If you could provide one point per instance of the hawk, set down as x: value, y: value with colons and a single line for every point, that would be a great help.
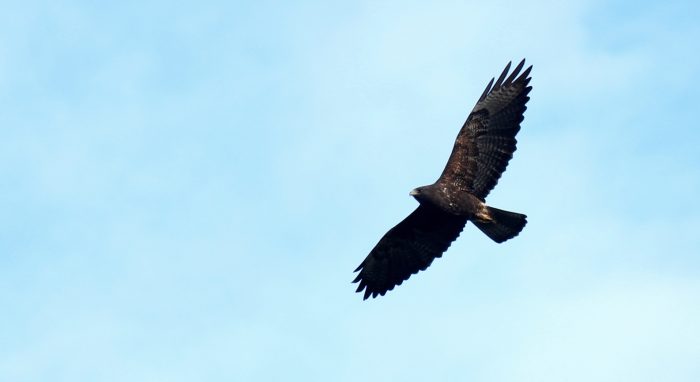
x: 480, y: 154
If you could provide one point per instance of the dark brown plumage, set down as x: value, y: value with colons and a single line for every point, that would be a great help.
x: 480, y: 154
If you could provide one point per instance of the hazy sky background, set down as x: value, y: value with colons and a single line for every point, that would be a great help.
x: 186, y: 189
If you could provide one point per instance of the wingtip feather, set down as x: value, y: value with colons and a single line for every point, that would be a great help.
x: 514, y: 74
x: 499, y: 82
x: 525, y: 76
x: 486, y: 91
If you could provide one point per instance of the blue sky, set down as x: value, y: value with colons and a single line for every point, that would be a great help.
x: 186, y: 189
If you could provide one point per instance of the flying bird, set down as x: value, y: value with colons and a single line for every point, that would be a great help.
x: 480, y: 154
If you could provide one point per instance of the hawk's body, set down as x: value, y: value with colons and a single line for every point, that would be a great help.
x: 481, y: 153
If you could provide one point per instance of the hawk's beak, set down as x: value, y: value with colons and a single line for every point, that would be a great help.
x: 413, y: 192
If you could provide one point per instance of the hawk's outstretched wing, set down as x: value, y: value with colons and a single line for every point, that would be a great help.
x: 407, y: 248
x: 486, y: 142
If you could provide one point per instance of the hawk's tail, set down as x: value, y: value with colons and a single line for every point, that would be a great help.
x: 503, y: 225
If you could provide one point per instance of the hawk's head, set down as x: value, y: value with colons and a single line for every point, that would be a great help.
x: 423, y: 193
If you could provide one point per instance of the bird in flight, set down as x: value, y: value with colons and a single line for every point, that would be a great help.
x: 480, y: 154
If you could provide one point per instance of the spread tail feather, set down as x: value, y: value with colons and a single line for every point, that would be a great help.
x: 503, y: 225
